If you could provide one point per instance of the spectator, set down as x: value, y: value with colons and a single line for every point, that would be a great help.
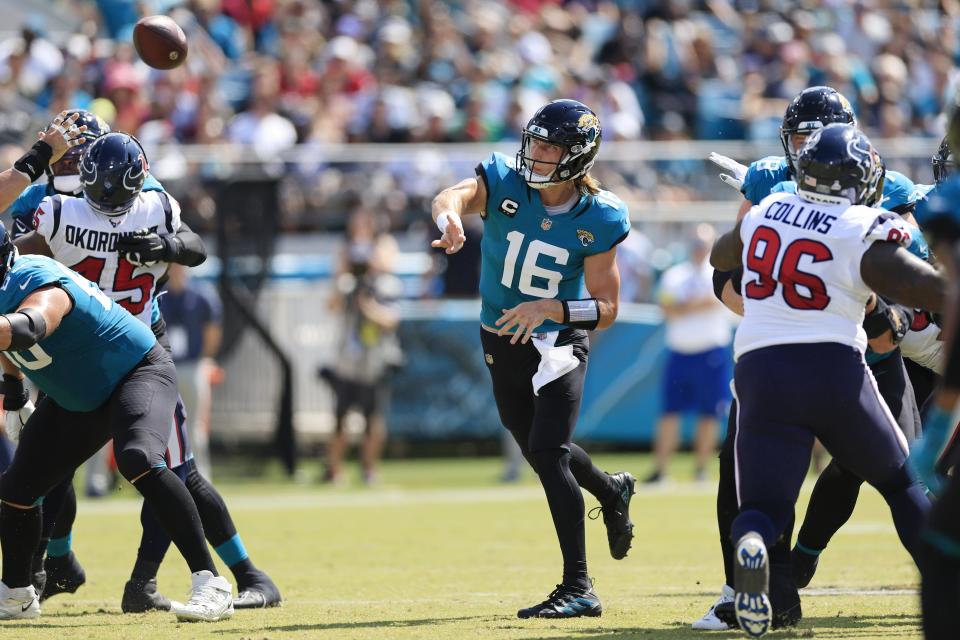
x: 697, y: 371
x: 193, y: 315
x: 365, y: 289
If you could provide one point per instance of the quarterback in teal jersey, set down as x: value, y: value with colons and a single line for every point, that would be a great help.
x: 548, y: 275
x: 105, y: 377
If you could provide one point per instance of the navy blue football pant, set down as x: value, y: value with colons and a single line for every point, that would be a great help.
x: 790, y: 394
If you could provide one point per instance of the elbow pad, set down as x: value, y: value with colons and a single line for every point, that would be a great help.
x: 27, y: 328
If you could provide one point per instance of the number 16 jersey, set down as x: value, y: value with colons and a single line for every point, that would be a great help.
x: 86, y: 241
x: 801, y: 281
x: 529, y: 254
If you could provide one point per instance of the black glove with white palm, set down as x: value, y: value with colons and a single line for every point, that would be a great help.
x: 16, y: 404
x: 737, y: 170
x: 145, y: 248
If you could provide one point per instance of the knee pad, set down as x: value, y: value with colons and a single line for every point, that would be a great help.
x: 133, y: 462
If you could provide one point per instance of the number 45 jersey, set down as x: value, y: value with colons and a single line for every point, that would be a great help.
x: 530, y: 255
x: 86, y: 241
x: 801, y: 280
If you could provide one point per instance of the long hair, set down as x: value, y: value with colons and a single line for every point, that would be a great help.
x: 587, y: 185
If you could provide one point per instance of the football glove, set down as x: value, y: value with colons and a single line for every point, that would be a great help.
x: 737, y: 170
x: 17, y: 405
x: 144, y: 248
x: 926, y: 451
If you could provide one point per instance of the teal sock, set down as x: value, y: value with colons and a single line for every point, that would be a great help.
x: 59, y: 547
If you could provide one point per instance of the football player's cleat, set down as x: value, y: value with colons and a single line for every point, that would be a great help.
x: 211, y: 599
x: 752, y: 585
x: 21, y: 603
x: 710, y: 621
x: 565, y: 602
x: 804, y: 566
x: 64, y: 575
x: 616, y: 515
x: 141, y: 595
x: 257, y: 592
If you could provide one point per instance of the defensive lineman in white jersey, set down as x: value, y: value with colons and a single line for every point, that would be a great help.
x: 810, y: 263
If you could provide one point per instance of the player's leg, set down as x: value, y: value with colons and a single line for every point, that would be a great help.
x: 864, y: 437
x: 36, y: 469
x: 374, y: 401
x: 772, y: 455
x: 139, y: 411
x: 61, y: 570
x: 940, y: 565
x: 255, y: 588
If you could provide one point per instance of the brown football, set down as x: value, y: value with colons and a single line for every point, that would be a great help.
x: 160, y: 42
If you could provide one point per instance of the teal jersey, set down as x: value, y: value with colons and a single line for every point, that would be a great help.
x: 529, y: 255
x: 899, y: 191
x: 762, y: 176
x: 942, y: 203
x: 96, y: 345
x: 26, y: 204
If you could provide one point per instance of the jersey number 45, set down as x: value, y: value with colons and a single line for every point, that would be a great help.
x: 801, y: 290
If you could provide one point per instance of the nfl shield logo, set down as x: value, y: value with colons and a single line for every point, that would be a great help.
x: 546, y: 223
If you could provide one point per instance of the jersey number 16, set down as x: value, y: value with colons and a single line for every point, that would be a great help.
x: 762, y: 254
x: 530, y: 270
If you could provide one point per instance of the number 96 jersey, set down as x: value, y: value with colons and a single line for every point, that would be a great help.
x: 529, y: 254
x: 86, y: 241
x: 801, y: 280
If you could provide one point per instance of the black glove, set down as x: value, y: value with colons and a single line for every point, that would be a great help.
x: 14, y: 395
x: 145, y: 247
x: 885, y: 316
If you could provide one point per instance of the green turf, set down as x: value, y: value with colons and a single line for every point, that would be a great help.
x: 440, y: 551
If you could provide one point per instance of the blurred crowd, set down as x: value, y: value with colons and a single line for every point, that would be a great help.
x: 275, y: 73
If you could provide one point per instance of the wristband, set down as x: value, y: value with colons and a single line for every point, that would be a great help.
x: 35, y: 161
x: 581, y: 314
x: 444, y: 219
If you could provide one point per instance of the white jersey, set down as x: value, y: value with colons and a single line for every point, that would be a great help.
x: 801, y: 280
x: 85, y: 240
x: 923, y: 343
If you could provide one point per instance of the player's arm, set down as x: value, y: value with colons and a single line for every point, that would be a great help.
x: 450, y: 205
x: 886, y: 324
x: 33, y: 244
x: 728, y: 249
x: 602, y: 279
x: 726, y: 287
x: 892, y: 272
x: 144, y: 246
x: 37, y: 317
x: 50, y: 147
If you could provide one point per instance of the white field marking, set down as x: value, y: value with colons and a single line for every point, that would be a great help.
x: 842, y: 591
x: 388, y: 497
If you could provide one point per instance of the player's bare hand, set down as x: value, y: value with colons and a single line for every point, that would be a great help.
x: 527, y: 316
x: 62, y: 134
x: 453, y: 236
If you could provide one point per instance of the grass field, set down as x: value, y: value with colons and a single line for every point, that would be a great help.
x: 441, y: 551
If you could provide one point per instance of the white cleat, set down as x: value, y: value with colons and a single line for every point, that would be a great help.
x: 21, y: 603
x: 752, y: 584
x: 710, y: 621
x: 211, y: 599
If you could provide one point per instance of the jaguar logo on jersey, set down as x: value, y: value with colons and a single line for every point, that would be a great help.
x: 509, y: 207
x: 586, y: 238
x: 488, y: 358
x: 546, y: 223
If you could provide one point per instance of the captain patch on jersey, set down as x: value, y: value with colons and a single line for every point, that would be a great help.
x: 86, y: 240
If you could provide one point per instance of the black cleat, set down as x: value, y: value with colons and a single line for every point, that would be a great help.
x: 616, y: 516
x: 566, y: 602
x: 64, y: 575
x: 257, y: 591
x: 141, y: 595
x: 781, y: 619
x: 804, y: 566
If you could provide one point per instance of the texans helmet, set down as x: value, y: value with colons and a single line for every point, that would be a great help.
x: 112, y: 171
x: 64, y: 174
x: 838, y: 165
x: 569, y: 124
x: 812, y: 109
x: 942, y: 162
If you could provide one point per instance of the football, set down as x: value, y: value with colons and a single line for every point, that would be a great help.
x: 160, y: 42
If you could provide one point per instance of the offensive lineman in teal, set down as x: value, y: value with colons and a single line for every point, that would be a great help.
x: 548, y: 275
x: 104, y: 376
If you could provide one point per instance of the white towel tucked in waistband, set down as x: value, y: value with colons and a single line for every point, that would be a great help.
x: 555, y: 362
